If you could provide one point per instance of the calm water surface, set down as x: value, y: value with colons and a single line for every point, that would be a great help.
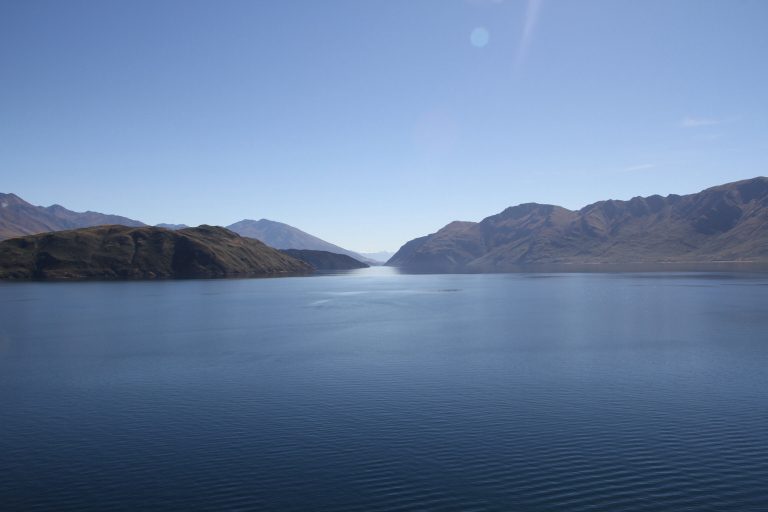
x: 375, y: 391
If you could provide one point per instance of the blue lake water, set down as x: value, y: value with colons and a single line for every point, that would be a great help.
x: 377, y: 391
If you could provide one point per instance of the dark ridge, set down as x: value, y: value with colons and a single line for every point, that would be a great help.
x: 324, y: 260
x: 122, y: 252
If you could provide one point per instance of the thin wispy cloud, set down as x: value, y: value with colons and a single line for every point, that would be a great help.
x: 639, y: 167
x: 698, y: 122
x: 529, y: 28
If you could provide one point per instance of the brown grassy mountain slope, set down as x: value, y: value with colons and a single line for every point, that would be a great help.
x: 724, y: 223
x: 121, y: 252
x: 18, y: 218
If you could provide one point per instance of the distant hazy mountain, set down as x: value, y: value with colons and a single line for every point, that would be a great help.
x: 283, y: 236
x: 18, y: 217
x: 324, y: 260
x: 121, y: 252
x: 380, y: 257
x: 173, y: 227
x: 723, y: 223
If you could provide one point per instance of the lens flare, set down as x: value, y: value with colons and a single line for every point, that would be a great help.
x: 479, y: 37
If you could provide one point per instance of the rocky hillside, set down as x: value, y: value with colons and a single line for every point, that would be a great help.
x: 121, y: 252
x: 723, y: 223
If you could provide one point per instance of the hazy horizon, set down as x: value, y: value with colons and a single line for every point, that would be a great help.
x: 367, y: 253
x: 370, y: 124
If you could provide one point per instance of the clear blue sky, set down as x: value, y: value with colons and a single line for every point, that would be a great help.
x: 369, y: 123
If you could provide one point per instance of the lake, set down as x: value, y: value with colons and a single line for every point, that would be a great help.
x: 378, y: 391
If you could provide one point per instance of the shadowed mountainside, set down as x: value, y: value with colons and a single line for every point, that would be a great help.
x: 724, y: 223
x: 18, y: 218
x: 121, y: 252
x: 283, y: 236
x: 324, y: 260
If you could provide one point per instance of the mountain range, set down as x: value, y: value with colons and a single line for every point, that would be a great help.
x: 18, y: 218
x: 723, y: 223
